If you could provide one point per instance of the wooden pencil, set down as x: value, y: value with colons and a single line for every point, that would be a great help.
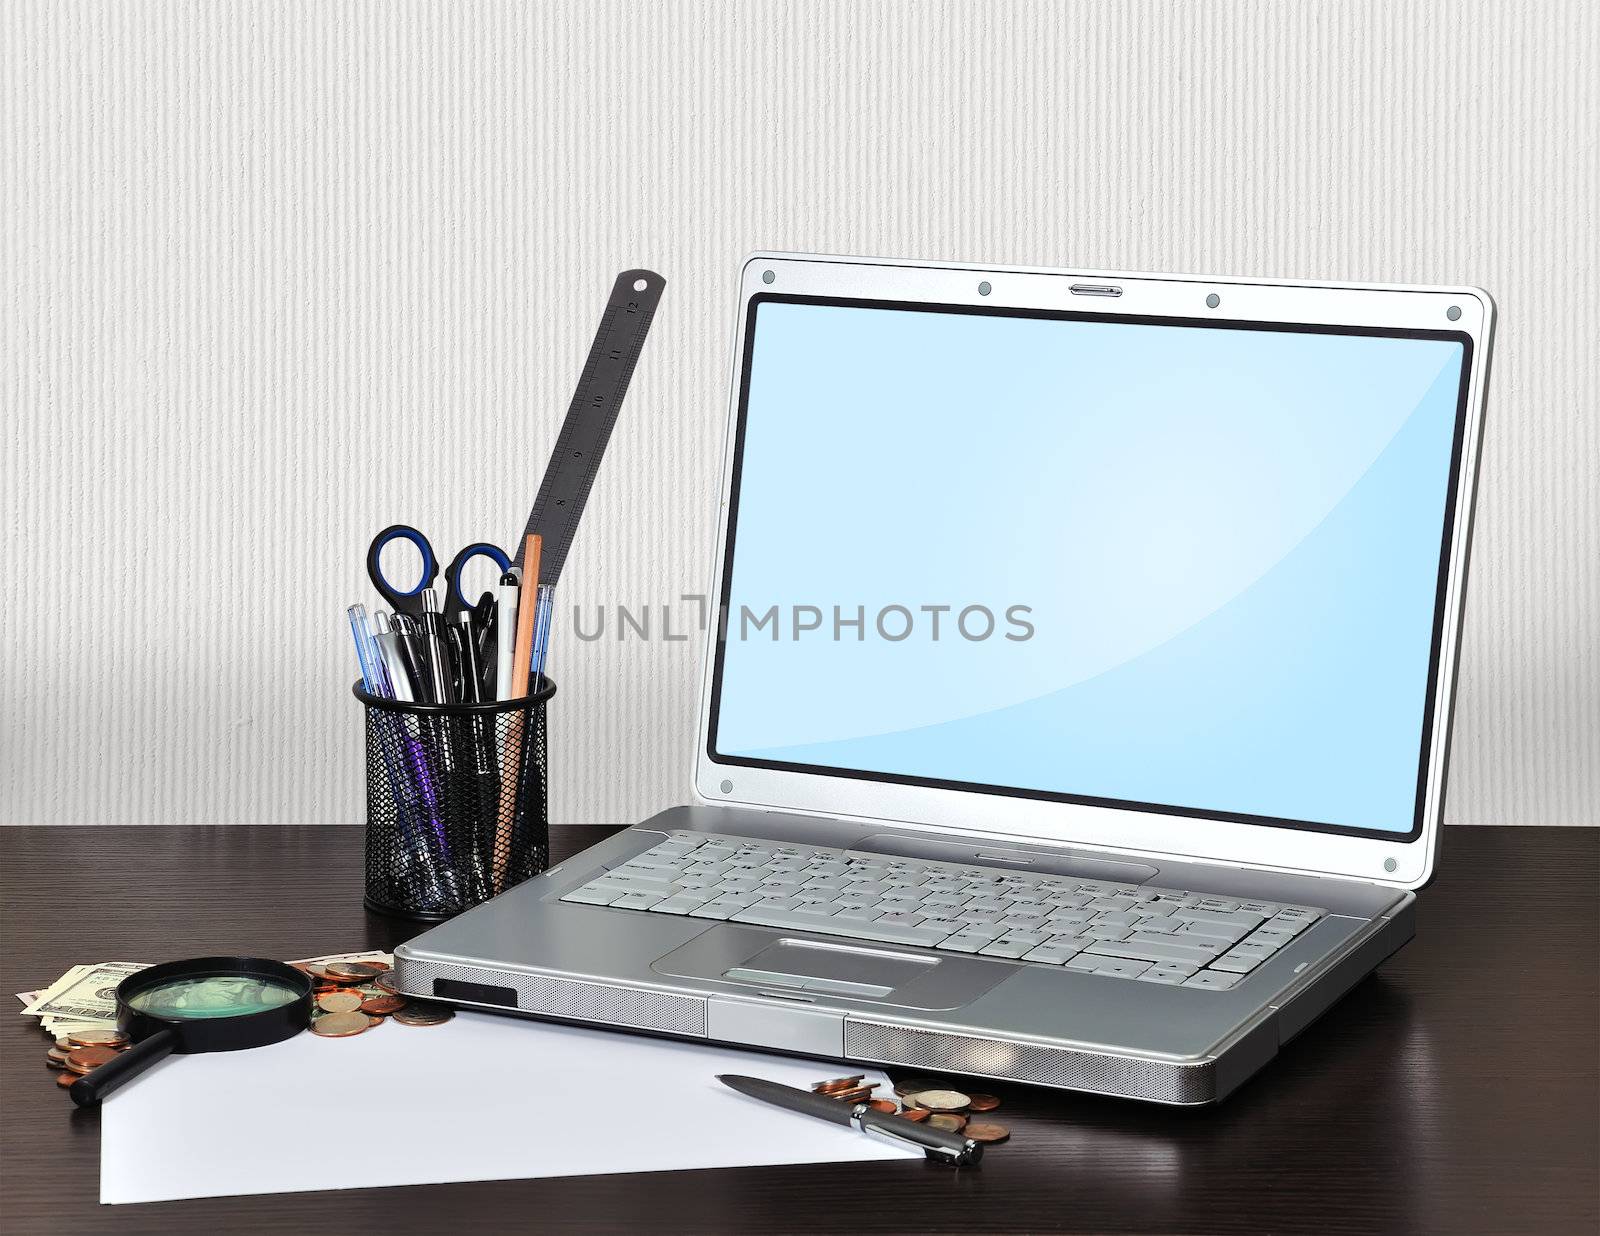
x: 521, y: 659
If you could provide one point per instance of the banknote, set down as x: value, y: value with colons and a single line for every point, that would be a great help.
x: 83, y: 995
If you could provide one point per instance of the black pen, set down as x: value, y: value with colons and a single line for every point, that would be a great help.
x: 938, y: 1145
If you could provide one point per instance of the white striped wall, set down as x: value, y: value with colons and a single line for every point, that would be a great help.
x: 244, y: 244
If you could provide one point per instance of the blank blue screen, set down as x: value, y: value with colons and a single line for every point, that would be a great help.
x: 1226, y: 543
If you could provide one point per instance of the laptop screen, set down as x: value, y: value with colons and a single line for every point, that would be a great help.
x: 1156, y: 564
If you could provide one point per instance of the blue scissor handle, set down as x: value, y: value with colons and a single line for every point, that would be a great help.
x: 454, y: 601
x: 402, y: 602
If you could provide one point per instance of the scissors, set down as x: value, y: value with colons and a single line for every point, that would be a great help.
x: 410, y: 601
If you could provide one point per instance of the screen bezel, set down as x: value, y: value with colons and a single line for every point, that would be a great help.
x: 1035, y: 816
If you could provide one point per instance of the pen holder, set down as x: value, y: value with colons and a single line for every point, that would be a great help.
x: 456, y: 802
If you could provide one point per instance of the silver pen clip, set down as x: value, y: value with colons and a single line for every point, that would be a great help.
x: 969, y: 1152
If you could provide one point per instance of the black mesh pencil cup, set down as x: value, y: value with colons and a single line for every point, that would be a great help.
x: 456, y: 801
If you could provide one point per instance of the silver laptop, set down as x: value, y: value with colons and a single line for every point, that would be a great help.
x: 1079, y: 707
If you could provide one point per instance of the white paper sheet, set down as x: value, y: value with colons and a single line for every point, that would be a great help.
x: 479, y: 1098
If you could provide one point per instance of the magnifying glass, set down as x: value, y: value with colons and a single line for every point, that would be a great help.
x: 206, y: 1004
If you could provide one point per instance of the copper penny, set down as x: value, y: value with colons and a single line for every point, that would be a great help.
x: 883, y: 1105
x: 382, y: 966
x: 982, y: 1102
x: 424, y: 1014
x: 66, y: 1079
x: 947, y: 1121
x: 382, y: 1005
x: 97, y: 1038
x: 82, y: 1059
x: 915, y: 1114
x: 373, y: 1019
x: 340, y: 1025
x: 983, y: 1131
x: 839, y: 1083
x: 339, y: 1002
x: 56, y: 1059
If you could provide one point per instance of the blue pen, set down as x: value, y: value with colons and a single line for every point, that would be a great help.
x: 375, y: 680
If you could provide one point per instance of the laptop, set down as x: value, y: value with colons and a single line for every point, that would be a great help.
x: 1078, y: 705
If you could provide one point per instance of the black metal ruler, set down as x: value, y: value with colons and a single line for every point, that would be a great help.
x: 590, y: 419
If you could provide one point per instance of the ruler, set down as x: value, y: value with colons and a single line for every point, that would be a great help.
x: 590, y: 419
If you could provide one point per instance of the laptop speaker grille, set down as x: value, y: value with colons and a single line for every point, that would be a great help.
x: 1062, y: 1067
x: 570, y: 999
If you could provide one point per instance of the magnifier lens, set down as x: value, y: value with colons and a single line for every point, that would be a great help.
x: 220, y: 995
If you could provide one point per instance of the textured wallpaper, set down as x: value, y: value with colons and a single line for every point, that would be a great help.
x: 274, y: 275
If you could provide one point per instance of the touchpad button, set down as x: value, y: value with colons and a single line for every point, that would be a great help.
x: 841, y: 970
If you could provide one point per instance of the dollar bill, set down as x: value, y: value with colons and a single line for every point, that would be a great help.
x: 84, y: 995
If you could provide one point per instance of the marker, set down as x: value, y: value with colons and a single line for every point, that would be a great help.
x: 506, y: 597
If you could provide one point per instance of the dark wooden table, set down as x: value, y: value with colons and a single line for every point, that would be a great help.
x: 1455, y: 1091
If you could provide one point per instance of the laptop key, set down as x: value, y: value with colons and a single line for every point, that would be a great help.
x: 1053, y: 952
x: 637, y: 901
x: 1120, y: 967
x: 1161, y: 950
x: 965, y: 942
x: 681, y: 904
x: 1242, y: 920
x: 1013, y: 944
x: 1212, y: 980
x: 593, y: 896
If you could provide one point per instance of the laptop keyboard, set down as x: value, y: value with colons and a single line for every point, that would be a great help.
x: 1131, y: 931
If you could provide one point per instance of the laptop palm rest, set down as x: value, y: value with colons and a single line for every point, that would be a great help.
x: 809, y: 970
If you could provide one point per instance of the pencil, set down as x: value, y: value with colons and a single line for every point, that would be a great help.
x: 521, y: 658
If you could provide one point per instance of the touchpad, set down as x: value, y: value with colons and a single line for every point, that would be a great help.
x: 823, y: 967
x: 813, y: 971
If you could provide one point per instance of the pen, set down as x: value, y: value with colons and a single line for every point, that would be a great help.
x: 506, y: 620
x: 433, y: 642
x: 938, y: 1145
x: 393, y: 741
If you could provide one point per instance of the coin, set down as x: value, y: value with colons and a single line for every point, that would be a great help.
x: 56, y: 1058
x: 339, y: 1002
x: 883, y: 1105
x: 915, y: 1114
x: 983, y: 1131
x: 949, y: 1123
x: 914, y: 1085
x: 940, y: 1100
x: 382, y: 1005
x: 97, y: 1038
x: 64, y: 1043
x: 982, y: 1102
x: 66, y: 1079
x: 380, y: 966
x: 840, y: 1083
x: 859, y: 1095
x: 346, y: 971
x: 386, y: 980
x: 83, y: 1059
x: 340, y: 1025
x: 375, y: 1020
x: 423, y: 1013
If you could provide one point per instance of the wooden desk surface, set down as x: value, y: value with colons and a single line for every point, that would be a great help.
x: 1458, y: 1090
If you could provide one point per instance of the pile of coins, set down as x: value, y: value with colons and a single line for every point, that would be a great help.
x: 82, y: 1052
x: 351, y: 997
x: 922, y: 1100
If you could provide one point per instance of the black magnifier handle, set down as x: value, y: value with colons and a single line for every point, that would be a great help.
x: 89, y: 1089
